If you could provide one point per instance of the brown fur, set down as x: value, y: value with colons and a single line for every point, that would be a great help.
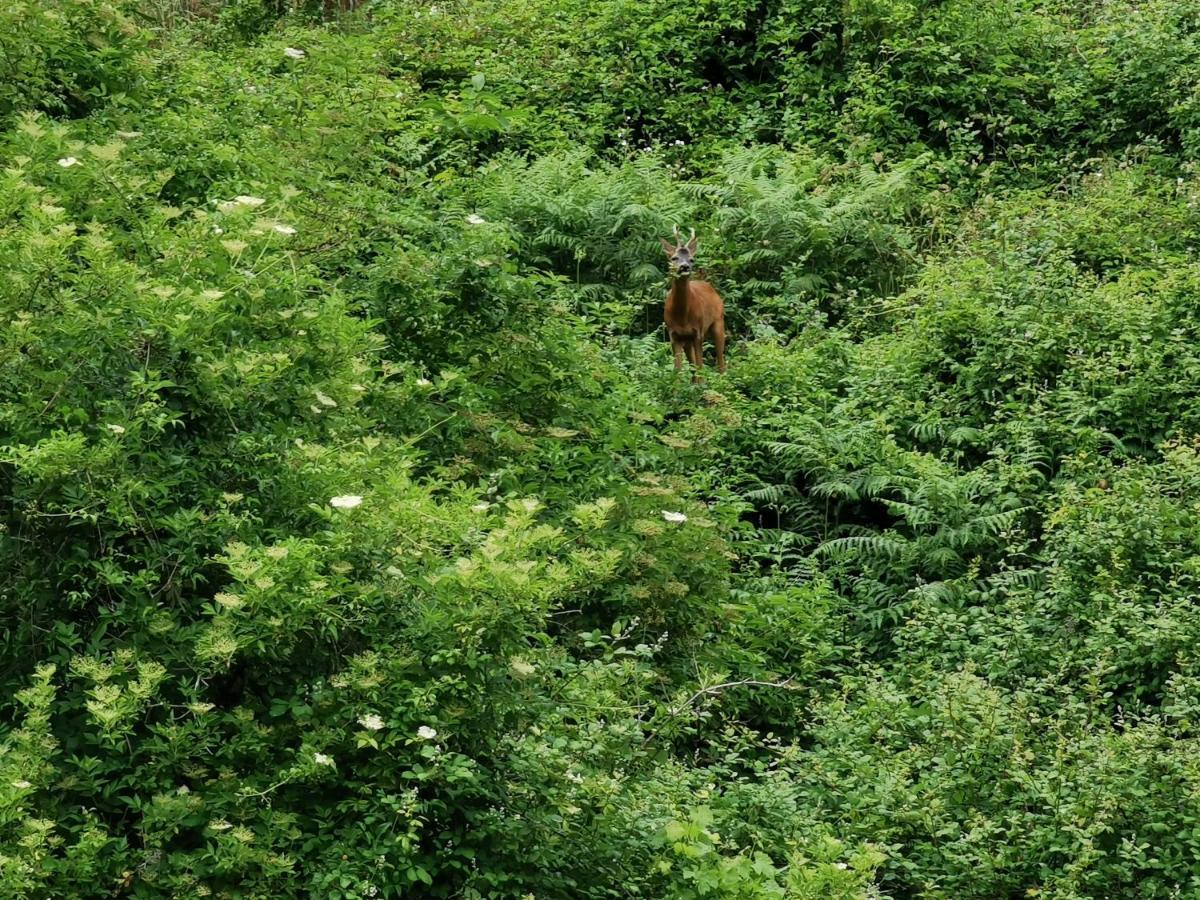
x: 693, y: 312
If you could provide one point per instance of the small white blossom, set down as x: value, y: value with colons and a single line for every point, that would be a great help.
x: 371, y: 722
x: 219, y: 825
x: 116, y: 429
x: 247, y: 200
x: 676, y: 518
x: 322, y: 760
x: 67, y: 161
x: 840, y: 865
x: 473, y: 219
x: 346, y: 501
x: 424, y: 382
x: 426, y: 733
x: 284, y: 229
x: 293, y: 53
x: 481, y: 506
x: 325, y: 399
x: 22, y: 784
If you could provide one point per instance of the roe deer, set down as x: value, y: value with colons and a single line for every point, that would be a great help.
x: 694, y: 310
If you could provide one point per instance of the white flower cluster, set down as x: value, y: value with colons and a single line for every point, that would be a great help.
x: 371, y: 722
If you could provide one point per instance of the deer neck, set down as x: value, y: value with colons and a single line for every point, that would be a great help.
x: 680, y: 295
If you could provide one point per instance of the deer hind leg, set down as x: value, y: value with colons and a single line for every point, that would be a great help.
x: 718, y: 333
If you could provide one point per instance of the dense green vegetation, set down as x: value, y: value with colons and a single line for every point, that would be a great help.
x: 357, y: 538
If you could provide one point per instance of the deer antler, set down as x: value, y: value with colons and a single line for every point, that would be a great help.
x: 675, y: 231
x: 692, y: 237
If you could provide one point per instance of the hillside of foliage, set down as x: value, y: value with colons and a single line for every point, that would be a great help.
x: 358, y: 539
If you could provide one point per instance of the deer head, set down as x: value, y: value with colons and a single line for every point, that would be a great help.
x: 681, y: 255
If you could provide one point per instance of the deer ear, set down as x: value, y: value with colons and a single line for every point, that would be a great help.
x: 666, y: 245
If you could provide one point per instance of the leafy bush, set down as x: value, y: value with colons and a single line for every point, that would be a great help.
x: 358, y: 538
x: 67, y: 57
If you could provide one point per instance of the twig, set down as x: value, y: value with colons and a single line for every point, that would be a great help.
x: 786, y: 684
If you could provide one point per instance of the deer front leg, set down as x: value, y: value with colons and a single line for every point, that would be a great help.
x: 677, y: 346
x: 697, y: 355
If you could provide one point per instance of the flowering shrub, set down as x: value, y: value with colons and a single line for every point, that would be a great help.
x: 357, y: 538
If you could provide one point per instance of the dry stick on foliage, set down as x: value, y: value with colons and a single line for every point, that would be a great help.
x: 676, y: 711
x: 694, y: 310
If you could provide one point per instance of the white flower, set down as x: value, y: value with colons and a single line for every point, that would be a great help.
x: 67, y: 161
x: 371, y: 722
x: 840, y: 866
x: 217, y: 229
x: 482, y: 506
x: 284, y: 229
x: 346, y: 501
x: 219, y: 825
x: 424, y: 382
x: 247, y: 200
x: 426, y: 733
x: 22, y: 784
x: 128, y: 135
x: 322, y: 760
x: 677, y: 518
x: 325, y: 399
x: 293, y: 53
x: 473, y: 219
x: 116, y: 429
